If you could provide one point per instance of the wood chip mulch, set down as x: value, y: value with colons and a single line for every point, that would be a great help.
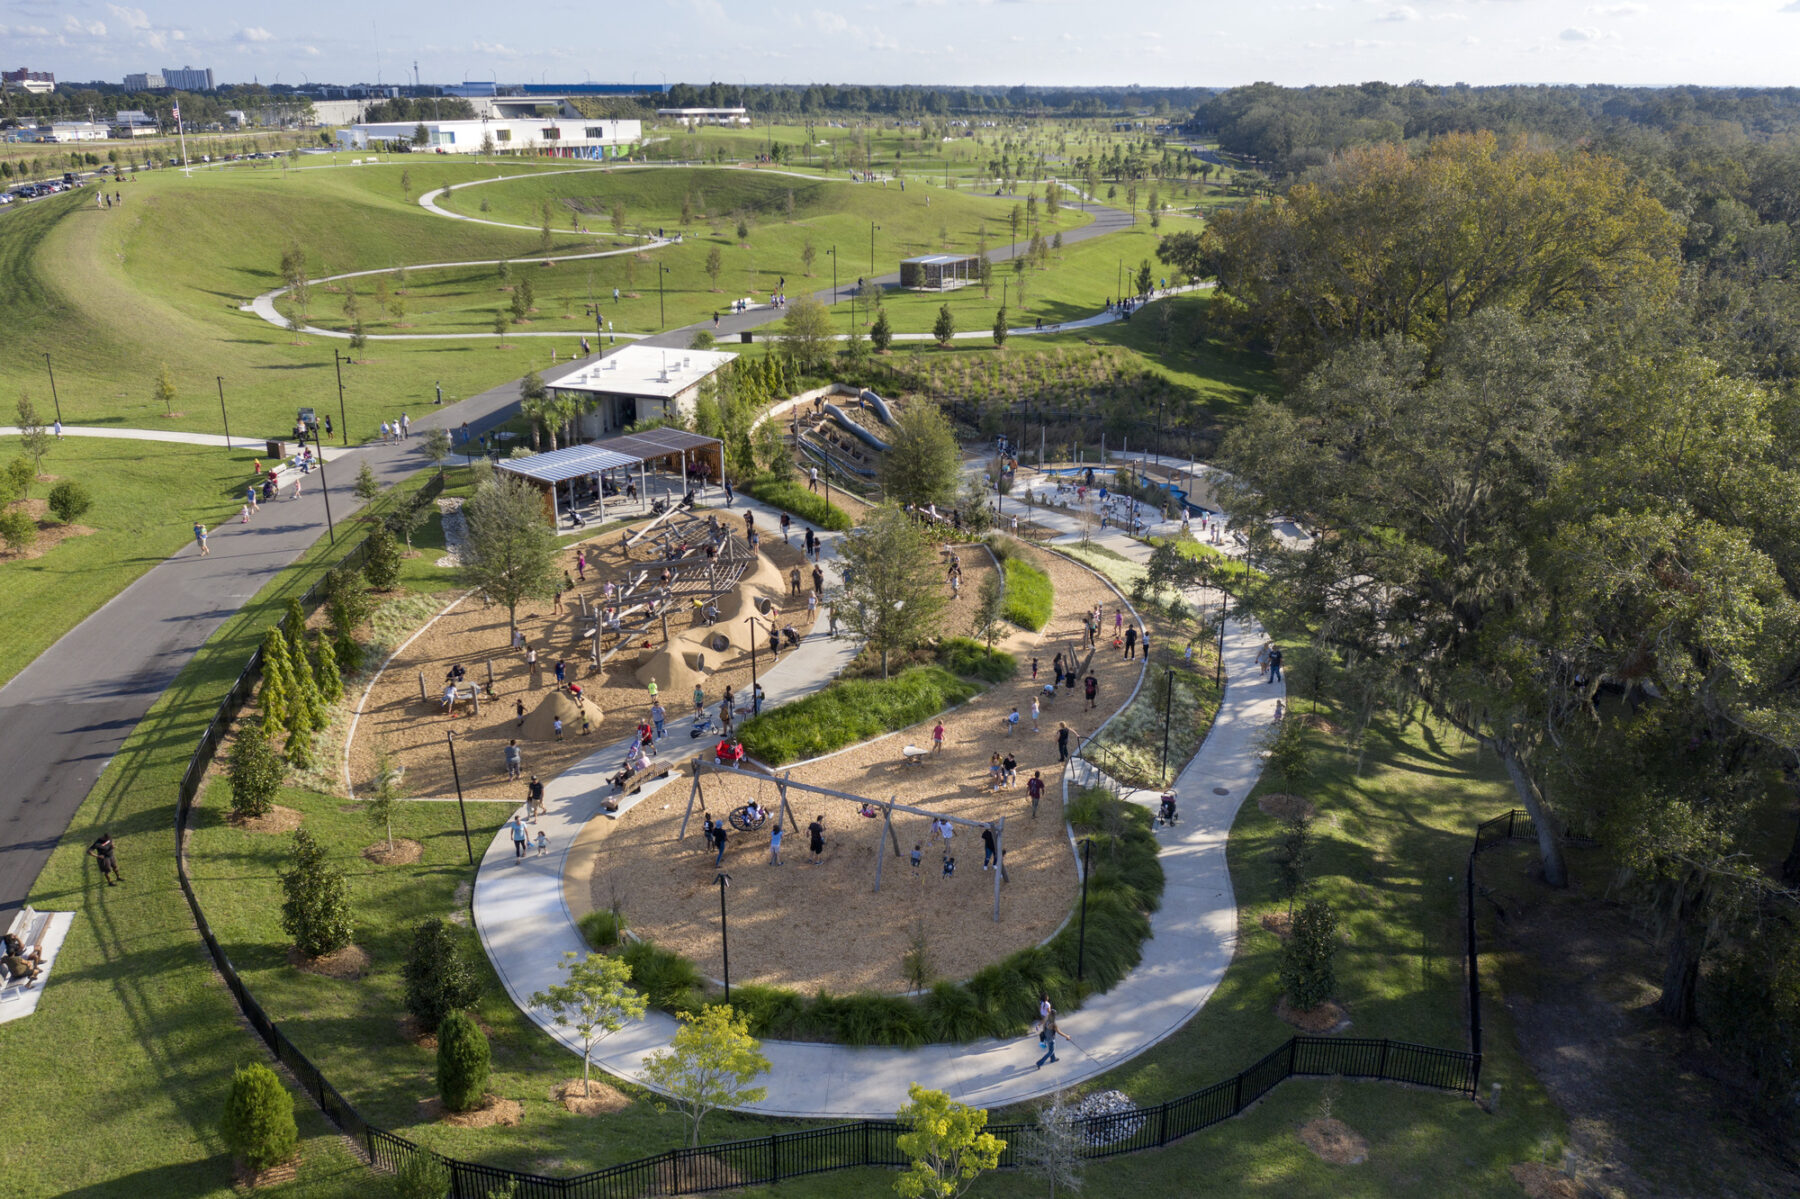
x: 1334, y: 1141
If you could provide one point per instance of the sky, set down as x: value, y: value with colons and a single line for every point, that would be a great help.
x: 1041, y: 42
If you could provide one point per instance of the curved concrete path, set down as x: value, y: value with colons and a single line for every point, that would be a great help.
x: 526, y: 927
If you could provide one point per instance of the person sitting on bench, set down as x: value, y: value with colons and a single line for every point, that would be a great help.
x: 455, y: 674
x: 18, y: 967
x: 13, y: 947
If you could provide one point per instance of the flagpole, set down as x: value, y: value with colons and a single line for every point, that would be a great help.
x: 182, y: 134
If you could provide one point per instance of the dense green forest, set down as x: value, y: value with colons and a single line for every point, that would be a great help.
x: 1542, y: 351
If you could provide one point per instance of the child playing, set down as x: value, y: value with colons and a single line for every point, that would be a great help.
x: 543, y: 843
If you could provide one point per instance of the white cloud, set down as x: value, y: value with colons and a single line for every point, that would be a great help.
x: 24, y: 31
x: 310, y: 51
x: 131, y: 18
x: 829, y: 22
x: 1617, y: 10
x: 1585, y: 34
x: 255, y: 33
x: 1794, y: 7
x: 1403, y: 13
x: 91, y: 28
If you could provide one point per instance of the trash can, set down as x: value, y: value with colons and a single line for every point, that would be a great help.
x: 746, y: 337
x: 277, y: 448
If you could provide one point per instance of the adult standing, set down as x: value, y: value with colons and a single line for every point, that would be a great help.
x: 1047, y: 1038
x: 990, y: 855
x: 512, y: 760
x: 818, y: 580
x: 1131, y: 636
x: 1275, y: 665
x: 719, y: 838
x: 518, y: 836
x: 815, y: 834
x: 104, y: 850
x: 534, y: 796
x: 658, y: 714
x: 1034, y: 787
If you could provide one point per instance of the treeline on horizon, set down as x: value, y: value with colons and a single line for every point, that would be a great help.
x: 1288, y: 129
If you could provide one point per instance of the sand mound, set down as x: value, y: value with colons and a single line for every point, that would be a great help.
x: 540, y: 726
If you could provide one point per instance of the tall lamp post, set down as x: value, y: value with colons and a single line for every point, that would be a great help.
x: 724, y: 880
x: 832, y: 252
x: 53, y: 397
x: 337, y: 362
x: 662, y: 314
x: 872, y: 229
x: 324, y: 485
x: 1224, y: 606
x: 220, y: 379
x: 1168, y: 706
x: 468, y: 844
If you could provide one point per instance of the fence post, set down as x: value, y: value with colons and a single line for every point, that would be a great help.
x: 1237, y: 1093
x: 1162, y: 1124
x: 865, y: 1153
x: 774, y: 1158
x: 1381, y: 1064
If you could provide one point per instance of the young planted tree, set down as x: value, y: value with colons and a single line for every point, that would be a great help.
x: 387, y: 794
x: 464, y: 1061
x: 36, y: 438
x: 257, y: 1124
x: 440, y: 977
x: 881, y: 333
x: 366, y: 487
x: 893, y: 595
x: 330, y: 677
x: 944, y: 328
x: 947, y: 1142
x: 437, y: 446
x: 806, y: 333
x: 1146, y: 278
x: 1052, y: 1148
x: 1307, y: 974
x: 1293, y: 854
x: 255, y: 773
x: 594, y: 999
x: 808, y: 255
x: 709, y: 1064
x: 510, y: 551
x: 381, y: 560
x: 68, y: 500
x: 276, y: 696
x: 164, y: 390
x: 1000, y: 329
x: 499, y: 328
x: 988, y: 610
x: 504, y: 273
x: 315, y: 910
x: 715, y: 263
x: 526, y: 295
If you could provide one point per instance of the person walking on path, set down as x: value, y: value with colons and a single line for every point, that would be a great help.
x: 937, y: 738
x: 1062, y: 742
x: 658, y: 714
x: 815, y: 834
x: 518, y: 836
x: 786, y: 523
x: 200, y: 538
x: 812, y: 479
x: 531, y: 665
x: 1262, y: 661
x: 296, y: 486
x: 543, y: 843
x: 1047, y: 1038
x: 1035, y: 712
x: 1275, y: 665
x: 405, y: 426
x: 250, y: 498
x: 729, y: 496
x: 719, y: 838
x: 775, y: 844
x: 794, y: 580
x: 1034, y: 788
x: 1092, y: 686
x: 512, y: 760
x: 534, y: 798
x: 104, y: 851
x: 756, y: 699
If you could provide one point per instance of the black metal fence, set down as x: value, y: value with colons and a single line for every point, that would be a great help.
x: 769, y: 1159
x: 1512, y: 826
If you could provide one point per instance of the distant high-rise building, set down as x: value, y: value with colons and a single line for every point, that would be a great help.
x: 22, y: 80
x: 146, y: 81
x: 188, y: 79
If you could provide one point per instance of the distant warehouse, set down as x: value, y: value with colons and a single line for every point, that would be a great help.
x: 560, y: 137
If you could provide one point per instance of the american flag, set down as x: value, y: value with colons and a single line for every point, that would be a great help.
x: 177, y: 111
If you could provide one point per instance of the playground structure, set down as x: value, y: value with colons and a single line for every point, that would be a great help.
x: 833, y: 436
x: 786, y: 782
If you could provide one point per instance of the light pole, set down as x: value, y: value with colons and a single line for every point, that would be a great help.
x: 324, y: 485
x: 1224, y: 605
x: 337, y: 363
x: 468, y: 844
x: 1087, y: 845
x: 53, y: 398
x: 1168, y: 706
x: 662, y: 314
x: 1119, y: 284
x: 724, y: 880
x: 221, y: 381
x: 872, y: 228
x: 833, y: 253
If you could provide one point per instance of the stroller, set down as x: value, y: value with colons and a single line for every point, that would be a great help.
x: 1166, y: 813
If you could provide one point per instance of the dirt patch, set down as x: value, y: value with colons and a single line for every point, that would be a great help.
x: 243, y: 1178
x: 810, y: 926
x: 494, y: 1111
x: 1334, y: 1141
x: 50, y: 532
x: 1313, y: 720
x: 405, y: 852
x: 1328, y: 1017
x: 1286, y: 807
x: 1279, y: 923
x: 415, y: 1033
x: 595, y: 1099
x: 1580, y: 979
x: 350, y: 962
x: 1541, y: 1182
x: 276, y: 820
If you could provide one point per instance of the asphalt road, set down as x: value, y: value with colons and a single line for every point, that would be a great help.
x: 64, y: 717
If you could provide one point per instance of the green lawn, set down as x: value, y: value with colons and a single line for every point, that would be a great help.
x: 147, y: 496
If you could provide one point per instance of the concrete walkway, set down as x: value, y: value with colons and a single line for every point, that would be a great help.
x: 526, y: 926
x: 218, y: 440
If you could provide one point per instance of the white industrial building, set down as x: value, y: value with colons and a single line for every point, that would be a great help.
x: 564, y: 137
x: 639, y: 383
x: 133, y: 122
x: 69, y: 131
x: 705, y: 116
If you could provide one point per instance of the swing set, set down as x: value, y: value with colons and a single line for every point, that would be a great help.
x: 886, y: 808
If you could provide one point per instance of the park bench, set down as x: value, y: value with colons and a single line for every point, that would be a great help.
x: 913, y: 755
x: 632, y: 783
x: 30, y: 926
